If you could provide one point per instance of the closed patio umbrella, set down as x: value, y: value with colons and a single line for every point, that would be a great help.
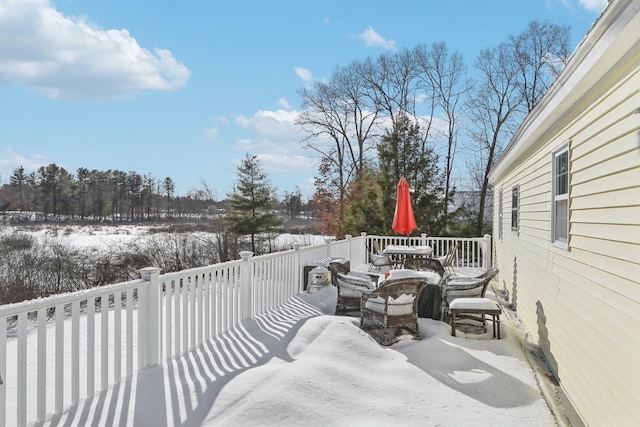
x: 403, y: 219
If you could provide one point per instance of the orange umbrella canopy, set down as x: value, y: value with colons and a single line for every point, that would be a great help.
x: 403, y: 220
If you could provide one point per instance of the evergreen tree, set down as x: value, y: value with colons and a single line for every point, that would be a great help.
x: 401, y: 152
x: 18, y: 180
x: 364, y: 209
x: 251, y: 205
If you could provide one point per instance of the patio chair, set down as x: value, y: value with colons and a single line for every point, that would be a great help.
x: 447, y: 260
x: 374, y: 270
x: 466, y: 287
x: 391, y: 309
x: 425, y: 264
x: 350, y: 289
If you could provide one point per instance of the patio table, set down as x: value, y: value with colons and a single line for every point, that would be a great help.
x: 399, y: 253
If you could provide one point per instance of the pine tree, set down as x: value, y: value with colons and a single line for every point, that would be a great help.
x: 402, y: 153
x: 251, y: 206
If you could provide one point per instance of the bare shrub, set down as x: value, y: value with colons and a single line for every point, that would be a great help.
x: 18, y: 267
x: 178, y: 251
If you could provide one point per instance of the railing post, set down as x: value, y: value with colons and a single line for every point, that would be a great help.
x: 246, y: 280
x: 150, y: 322
x: 487, y: 252
x: 299, y: 268
x: 348, y: 239
x: 327, y: 241
x: 367, y: 246
x: 423, y: 239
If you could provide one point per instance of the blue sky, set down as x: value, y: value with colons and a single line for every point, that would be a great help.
x: 186, y: 88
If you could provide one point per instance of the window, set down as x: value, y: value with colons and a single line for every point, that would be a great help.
x: 515, y: 203
x: 500, y: 214
x: 560, y: 202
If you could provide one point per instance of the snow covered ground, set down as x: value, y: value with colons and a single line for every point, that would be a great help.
x: 301, y: 366
x: 108, y: 237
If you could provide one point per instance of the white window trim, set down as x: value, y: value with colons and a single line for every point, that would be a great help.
x: 500, y: 215
x: 515, y: 230
x: 555, y: 198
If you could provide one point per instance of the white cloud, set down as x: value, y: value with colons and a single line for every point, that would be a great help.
x: 594, y: 5
x: 279, y: 123
x: 10, y: 161
x: 275, y: 140
x: 282, y: 102
x: 304, y: 74
x: 283, y: 163
x: 69, y: 58
x: 373, y: 39
x: 212, y: 134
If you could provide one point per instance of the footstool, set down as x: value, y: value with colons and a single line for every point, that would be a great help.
x: 482, y: 306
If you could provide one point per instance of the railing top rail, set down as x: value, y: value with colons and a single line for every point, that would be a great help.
x: 481, y: 238
x: 198, y: 270
x: 66, y: 298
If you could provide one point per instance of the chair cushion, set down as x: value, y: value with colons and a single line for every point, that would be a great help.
x: 397, y: 306
x: 474, y: 304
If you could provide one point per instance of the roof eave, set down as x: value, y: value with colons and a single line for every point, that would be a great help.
x: 589, y: 63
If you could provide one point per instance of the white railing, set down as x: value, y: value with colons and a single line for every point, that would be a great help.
x: 472, y: 252
x: 61, y: 349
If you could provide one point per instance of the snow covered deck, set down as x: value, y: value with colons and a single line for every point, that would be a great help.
x: 299, y: 365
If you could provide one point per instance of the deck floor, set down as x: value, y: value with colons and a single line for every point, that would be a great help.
x: 182, y: 391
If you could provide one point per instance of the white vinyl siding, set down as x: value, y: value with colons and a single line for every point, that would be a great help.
x: 582, y: 303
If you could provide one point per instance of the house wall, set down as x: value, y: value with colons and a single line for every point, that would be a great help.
x: 582, y: 304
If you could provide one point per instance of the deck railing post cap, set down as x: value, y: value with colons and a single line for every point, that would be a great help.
x: 363, y: 233
x: 147, y: 272
x: 327, y: 240
x: 297, y: 246
x: 246, y: 255
x: 348, y: 236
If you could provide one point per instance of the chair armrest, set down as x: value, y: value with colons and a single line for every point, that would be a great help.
x: 354, y: 282
x: 372, y: 277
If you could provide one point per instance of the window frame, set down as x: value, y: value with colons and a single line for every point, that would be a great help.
x: 500, y: 215
x: 515, y: 210
x: 563, y: 197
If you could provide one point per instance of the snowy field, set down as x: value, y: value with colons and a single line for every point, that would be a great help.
x: 102, y: 237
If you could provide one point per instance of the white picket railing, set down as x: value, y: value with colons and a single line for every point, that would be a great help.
x: 57, y: 348
x: 472, y: 252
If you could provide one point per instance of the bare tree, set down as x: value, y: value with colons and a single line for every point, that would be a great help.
x: 444, y: 76
x: 540, y: 53
x: 339, y: 119
x: 512, y: 79
x: 494, y: 107
x: 391, y: 82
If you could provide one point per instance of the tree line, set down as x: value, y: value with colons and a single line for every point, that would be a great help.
x: 51, y: 192
x: 409, y: 113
